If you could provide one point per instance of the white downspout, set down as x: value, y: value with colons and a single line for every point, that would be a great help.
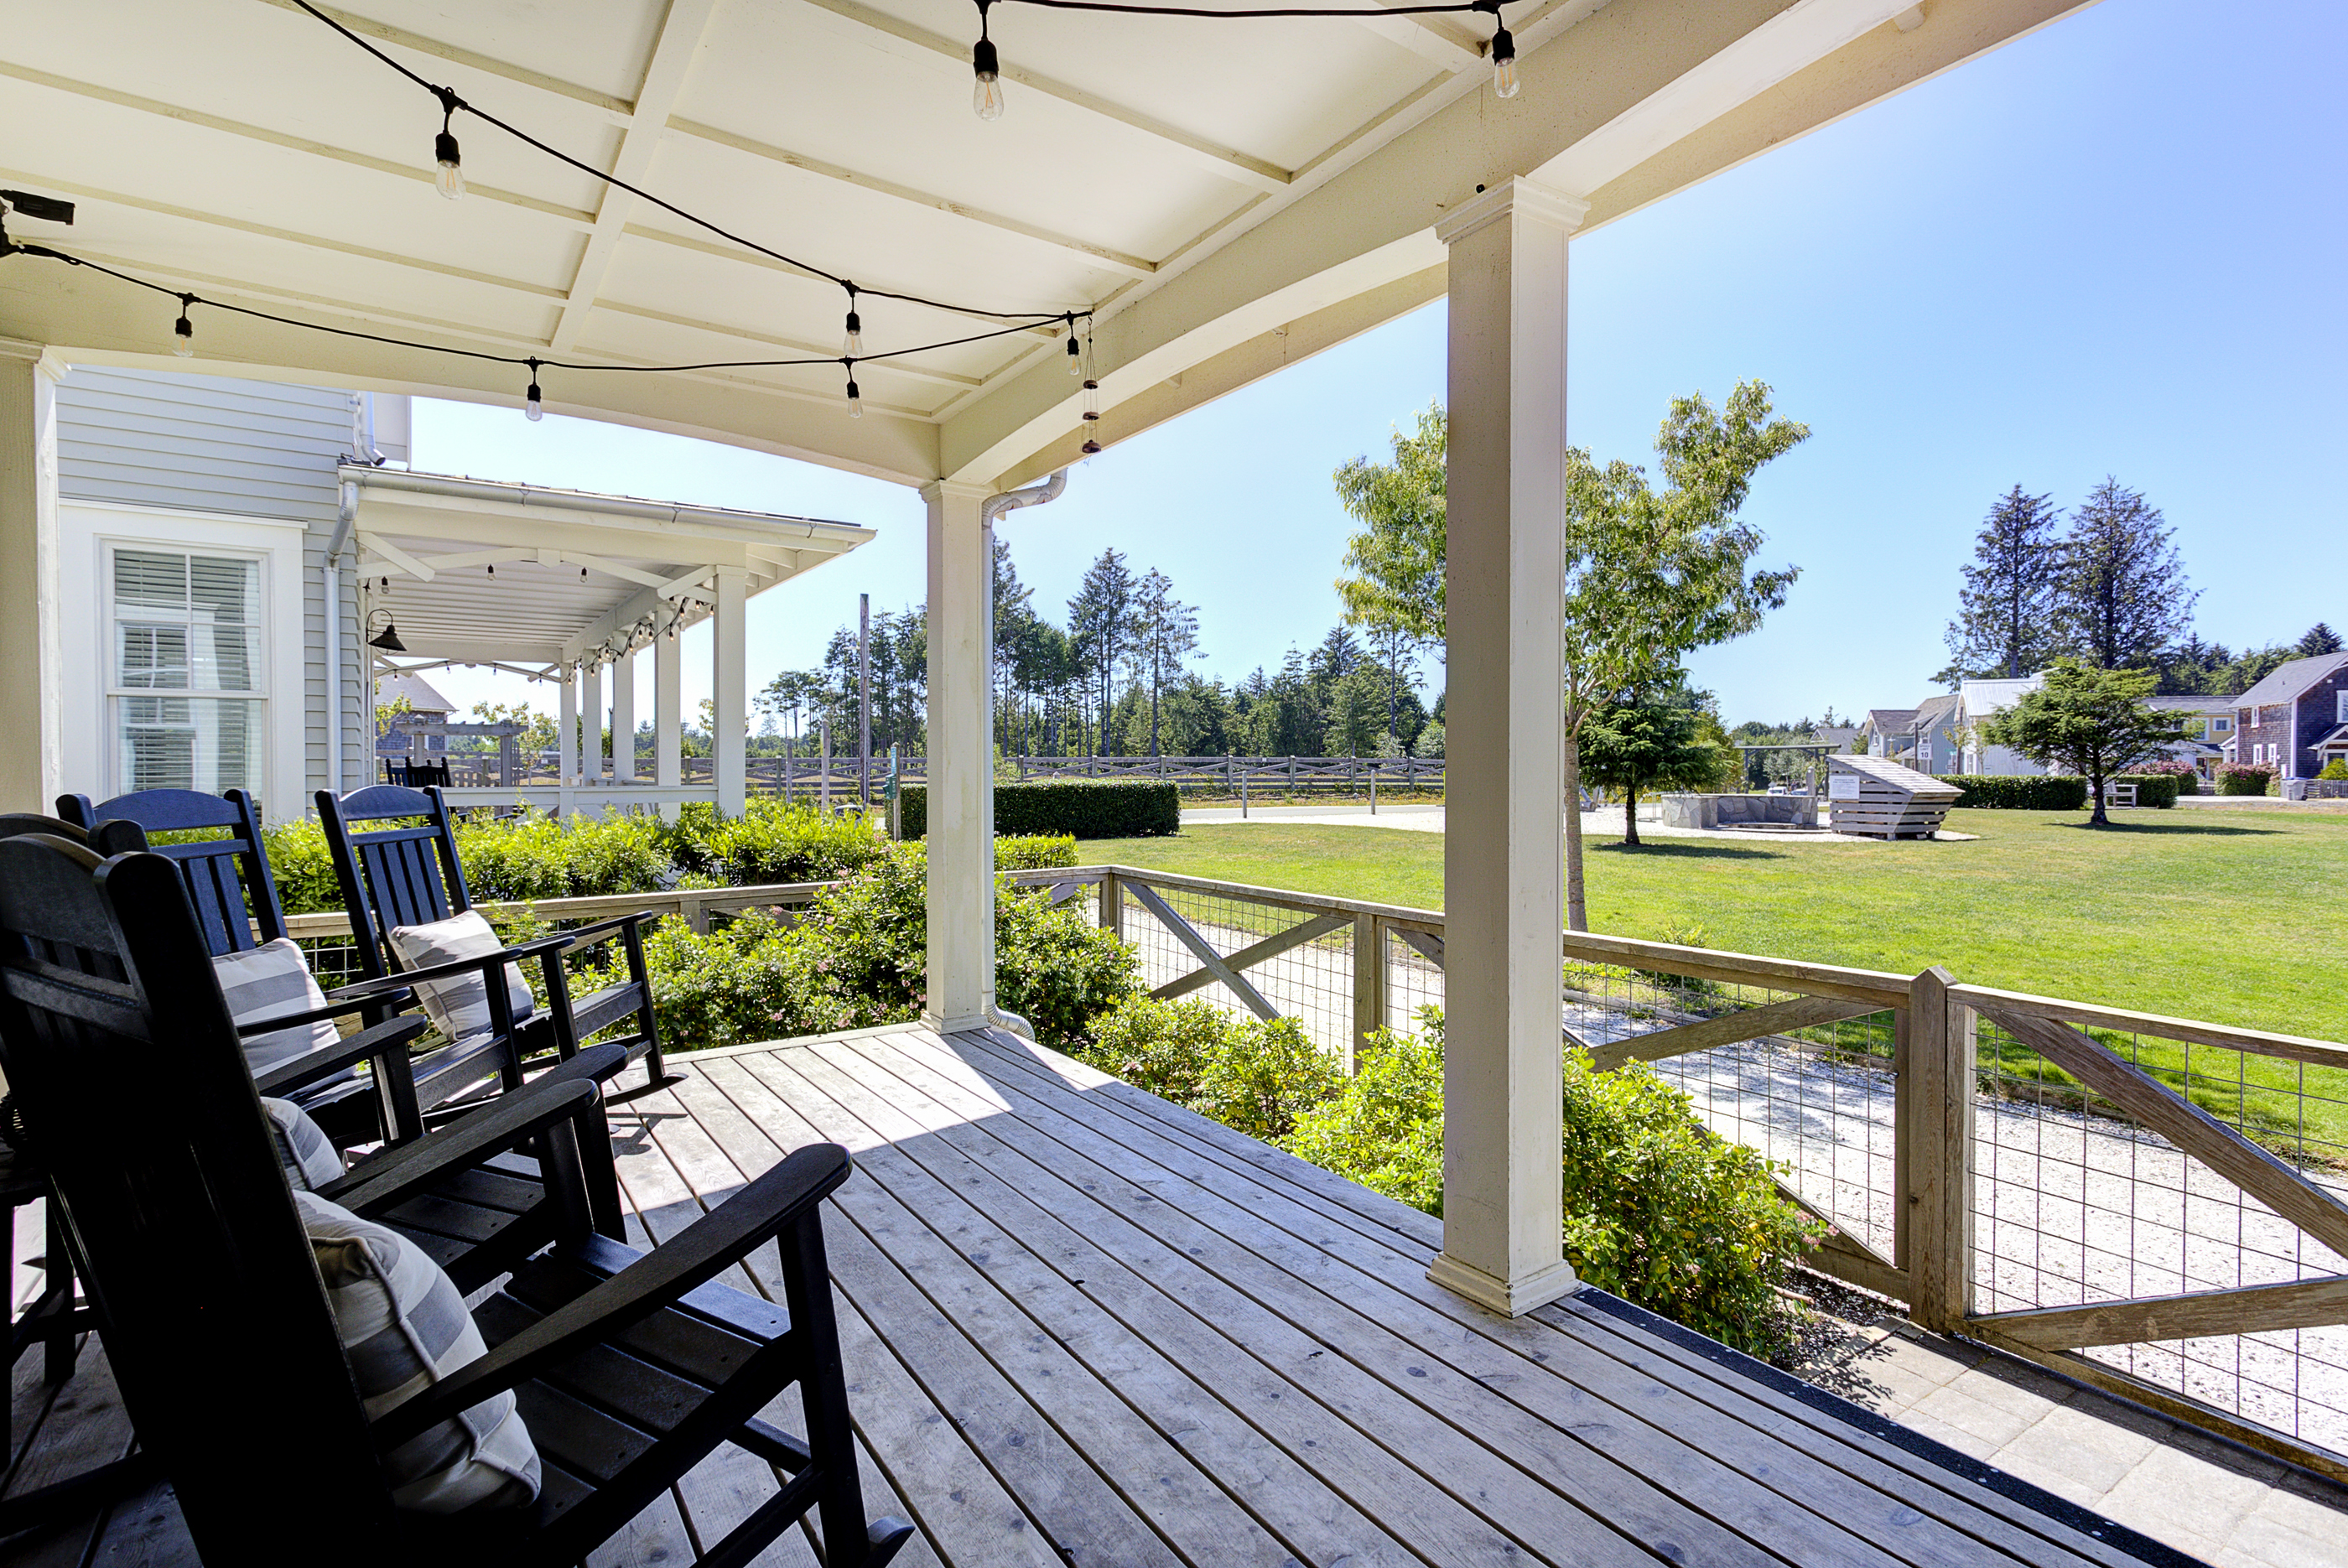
x: 346, y: 517
x: 990, y: 509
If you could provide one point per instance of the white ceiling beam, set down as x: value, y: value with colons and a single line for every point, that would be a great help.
x: 614, y: 109
x: 422, y: 173
x: 642, y: 579
x: 470, y: 558
x: 476, y: 650
x: 792, y: 347
x: 1098, y: 255
x: 397, y: 557
x: 1440, y: 40
x: 680, y: 31
x: 1257, y: 173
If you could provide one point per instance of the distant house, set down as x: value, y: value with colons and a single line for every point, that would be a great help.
x: 2295, y: 720
x: 1837, y: 736
x: 419, y: 734
x: 1941, y: 735
x: 2209, y: 726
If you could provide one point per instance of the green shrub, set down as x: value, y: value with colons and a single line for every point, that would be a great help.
x: 1385, y: 1126
x: 724, y: 988
x: 2158, y: 790
x: 537, y: 856
x: 2335, y: 768
x: 1081, y: 808
x: 2244, y: 777
x: 2020, y: 792
x: 772, y: 843
x: 1257, y: 1076
x: 302, y: 867
x: 1035, y: 852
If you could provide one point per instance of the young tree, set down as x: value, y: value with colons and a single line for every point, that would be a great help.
x: 1651, y: 574
x: 2091, y: 721
x: 2122, y: 592
x: 1395, y: 561
x: 1165, y: 634
x: 2319, y: 639
x: 2005, y: 611
x: 1100, y: 618
x: 1395, y: 648
x: 1639, y: 745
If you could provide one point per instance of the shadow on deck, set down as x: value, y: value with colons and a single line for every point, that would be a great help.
x: 1082, y: 1326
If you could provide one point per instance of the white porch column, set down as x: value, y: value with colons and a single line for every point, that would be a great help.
x: 668, y: 705
x: 961, y: 762
x: 566, y: 733
x: 731, y: 693
x: 31, y: 680
x: 1504, y: 739
x: 591, y: 724
x: 624, y: 719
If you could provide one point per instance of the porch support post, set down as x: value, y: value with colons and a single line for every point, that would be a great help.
x: 624, y: 719
x: 668, y: 705
x: 730, y: 692
x: 566, y: 734
x: 1503, y: 1208
x: 961, y: 762
x: 591, y: 724
x: 32, y: 771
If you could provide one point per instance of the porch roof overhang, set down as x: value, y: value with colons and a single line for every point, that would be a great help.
x: 1226, y: 209
x: 484, y: 571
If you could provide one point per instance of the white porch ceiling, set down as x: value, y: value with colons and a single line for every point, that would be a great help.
x: 1230, y: 196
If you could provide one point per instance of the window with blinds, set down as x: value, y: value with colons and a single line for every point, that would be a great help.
x: 188, y: 698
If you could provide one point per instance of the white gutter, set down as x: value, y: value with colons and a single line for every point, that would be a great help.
x: 990, y: 509
x: 453, y: 487
x: 346, y: 517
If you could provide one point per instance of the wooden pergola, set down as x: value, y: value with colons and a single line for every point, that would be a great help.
x: 1227, y: 199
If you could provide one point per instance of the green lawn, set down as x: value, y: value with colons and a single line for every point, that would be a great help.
x: 2230, y: 916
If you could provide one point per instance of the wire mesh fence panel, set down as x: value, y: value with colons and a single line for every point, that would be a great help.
x: 2077, y: 1202
x: 1414, y: 981
x: 1819, y: 1101
x: 1312, y: 983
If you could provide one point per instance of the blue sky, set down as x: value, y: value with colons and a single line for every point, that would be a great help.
x: 2115, y: 246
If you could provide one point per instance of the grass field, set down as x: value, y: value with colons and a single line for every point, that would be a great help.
x: 2235, y: 918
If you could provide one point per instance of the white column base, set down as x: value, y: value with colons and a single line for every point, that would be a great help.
x: 1510, y: 1298
x: 943, y: 1025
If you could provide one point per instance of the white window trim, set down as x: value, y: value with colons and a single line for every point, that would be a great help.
x: 112, y: 692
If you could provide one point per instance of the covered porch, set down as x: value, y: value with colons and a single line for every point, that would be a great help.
x: 1084, y: 1326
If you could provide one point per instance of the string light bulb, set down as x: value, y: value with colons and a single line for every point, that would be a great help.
x: 1504, y: 59
x: 1076, y: 350
x: 449, y: 172
x: 851, y: 346
x: 855, y: 397
x: 183, y: 331
x: 986, y: 98
x: 533, y: 407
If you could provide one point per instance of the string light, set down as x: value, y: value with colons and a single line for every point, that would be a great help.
x: 449, y: 176
x: 852, y: 344
x: 855, y: 399
x: 986, y: 97
x: 1504, y: 56
x: 183, y: 331
x: 1076, y: 350
x: 533, y: 408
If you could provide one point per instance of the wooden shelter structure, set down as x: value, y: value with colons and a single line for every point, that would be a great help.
x: 1877, y: 799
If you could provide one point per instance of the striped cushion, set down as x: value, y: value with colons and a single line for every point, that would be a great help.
x: 269, y: 982
x: 309, y: 1158
x: 458, y: 1007
x: 404, y: 1327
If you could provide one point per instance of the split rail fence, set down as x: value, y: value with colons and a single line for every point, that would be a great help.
x: 1264, y: 778
x: 2150, y: 1205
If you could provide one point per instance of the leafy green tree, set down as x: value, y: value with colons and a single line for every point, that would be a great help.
x: 1652, y: 574
x: 1395, y: 563
x: 2005, y: 611
x: 2122, y: 596
x: 1635, y: 745
x: 2089, y: 721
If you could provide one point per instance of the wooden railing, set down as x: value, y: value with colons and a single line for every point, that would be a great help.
x: 1266, y: 777
x: 1963, y: 1114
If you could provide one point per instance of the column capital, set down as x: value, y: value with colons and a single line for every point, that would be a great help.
x: 954, y: 490
x: 1510, y: 196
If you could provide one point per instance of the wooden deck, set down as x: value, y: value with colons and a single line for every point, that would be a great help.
x: 1085, y: 1327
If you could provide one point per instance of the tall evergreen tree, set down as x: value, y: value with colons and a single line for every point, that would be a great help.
x: 1165, y: 634
x: 2122, y: 595
x: 2319, y: 639
x: 2005, y: 611
x: 1100, y: 619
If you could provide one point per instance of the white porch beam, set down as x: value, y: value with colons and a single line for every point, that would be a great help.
x: 624, y: 719
x: 730, y: 693
x: 397, y: 557
x: 668, y: 705
x: 680, y: 31
x: 1503, y: 885
x: 613, y: 108
x: 962, y: 761
x: 31, y: 669
x: 566, y: 729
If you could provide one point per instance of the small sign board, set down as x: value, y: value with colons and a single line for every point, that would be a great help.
x: 1842, y: 787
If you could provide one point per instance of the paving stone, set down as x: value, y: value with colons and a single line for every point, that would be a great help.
x: 2170, y: 1490
x: 2088, y: 1454
x: 1954, y: 1406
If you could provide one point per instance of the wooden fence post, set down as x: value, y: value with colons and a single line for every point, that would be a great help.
x: 1936, y: 1103
x: 1112, y: 905
x: 1369, y: 984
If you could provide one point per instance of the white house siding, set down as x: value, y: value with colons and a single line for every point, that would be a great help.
x: 187, y: 446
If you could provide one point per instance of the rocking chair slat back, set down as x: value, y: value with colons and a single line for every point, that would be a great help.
x: 227, y: 879
x: 397, y: 875
x: 121, y: 1053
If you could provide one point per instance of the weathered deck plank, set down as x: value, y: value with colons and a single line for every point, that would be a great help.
x: 1082, y: 1325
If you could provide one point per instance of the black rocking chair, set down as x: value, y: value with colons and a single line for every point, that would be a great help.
x: 412, y: 876
x: 628, y: 1367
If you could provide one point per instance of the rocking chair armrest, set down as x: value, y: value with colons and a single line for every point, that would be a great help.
x: 376, y: 990
x: 337, y: 1004
x: 785, y: 1196
x: 511, y: 1119
x: 385, y: 1043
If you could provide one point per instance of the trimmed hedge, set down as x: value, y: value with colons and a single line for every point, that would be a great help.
x: 2245, y: 778
x: 2158, y: 790
x: 2021, y: 791
x: 1080, y: 808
